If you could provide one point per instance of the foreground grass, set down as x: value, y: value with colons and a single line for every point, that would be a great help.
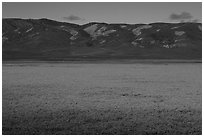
x: 102, y: 99
x: 75, y: 121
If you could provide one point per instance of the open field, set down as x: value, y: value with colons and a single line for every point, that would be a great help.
x: 102, y: 98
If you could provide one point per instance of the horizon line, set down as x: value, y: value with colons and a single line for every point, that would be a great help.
x: 96, y: 21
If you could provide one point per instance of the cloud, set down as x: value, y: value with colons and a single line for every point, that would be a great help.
x: 195, y: 20
x: 190, y: 21
x: 73, y: 18
x: 182, y: 16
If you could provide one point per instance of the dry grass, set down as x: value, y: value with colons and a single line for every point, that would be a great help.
x: 102, y: 98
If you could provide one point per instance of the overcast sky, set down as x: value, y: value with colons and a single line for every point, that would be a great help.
x: 81, y: 13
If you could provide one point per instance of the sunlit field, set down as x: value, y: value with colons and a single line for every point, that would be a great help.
x: 102, y: 98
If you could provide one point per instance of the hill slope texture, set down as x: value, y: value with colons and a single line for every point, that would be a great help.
x: 44, y: 39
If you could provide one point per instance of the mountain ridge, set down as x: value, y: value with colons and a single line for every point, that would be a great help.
x: 45, y: 39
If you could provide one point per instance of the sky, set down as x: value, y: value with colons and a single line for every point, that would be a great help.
x: 120, y: 12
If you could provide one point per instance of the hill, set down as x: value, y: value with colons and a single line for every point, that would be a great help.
x: 44, y: 39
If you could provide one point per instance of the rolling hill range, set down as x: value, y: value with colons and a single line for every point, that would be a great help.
x: 44, y: 39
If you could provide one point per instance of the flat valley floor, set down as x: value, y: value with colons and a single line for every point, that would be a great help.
x: 102, y: 98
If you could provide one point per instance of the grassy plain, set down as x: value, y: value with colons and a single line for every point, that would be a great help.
x: 102, y: 98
